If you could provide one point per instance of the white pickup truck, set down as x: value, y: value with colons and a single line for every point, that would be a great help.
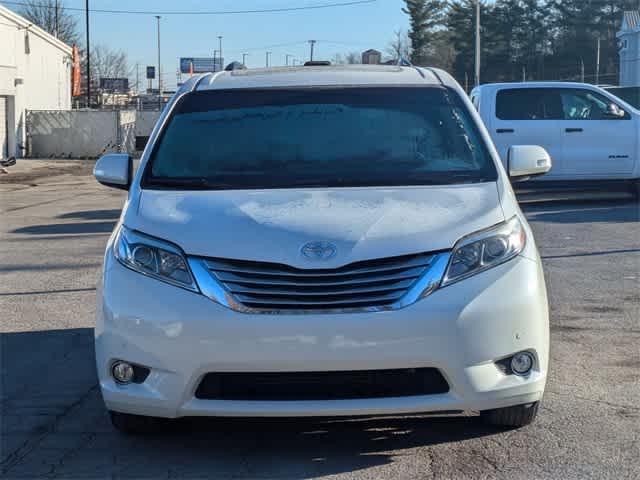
x: 591, y: 135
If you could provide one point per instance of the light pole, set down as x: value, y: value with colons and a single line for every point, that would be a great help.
x: 598, y: 62
x: 220, y: 51
x: 312, y: 43
x: 215, y: 65
x: 477, y: 66
x: 88, y: 55
x: 267, y: 59
x: 159, y: 66
x: 244, y: 59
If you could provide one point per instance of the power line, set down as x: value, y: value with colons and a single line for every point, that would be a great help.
x: 204, y: 12
x: 267, y: 47
x: 293, y: 44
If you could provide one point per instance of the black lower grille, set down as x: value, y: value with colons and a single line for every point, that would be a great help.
x: 322, y: 385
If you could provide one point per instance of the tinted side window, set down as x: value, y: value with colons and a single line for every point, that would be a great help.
x: 581, y: 104
x: 529, y: 104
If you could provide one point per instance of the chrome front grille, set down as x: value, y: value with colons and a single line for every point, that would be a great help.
x: 262, y: 286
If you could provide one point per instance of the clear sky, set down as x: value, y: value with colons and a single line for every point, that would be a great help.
x: 338, y: 30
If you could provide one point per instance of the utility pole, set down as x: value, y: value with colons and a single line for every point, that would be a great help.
x: 477, y: 65
x: 598, y: 63
x: 524, y: 73
x: 220, y: 52
x: 159, y: 68
x: 582, y: 70
x: 137, y: 78
x: 86, y: 12
x: 286, y: 59
x: 244, y: 59
x: 312, y: 43
x: 267, y: 59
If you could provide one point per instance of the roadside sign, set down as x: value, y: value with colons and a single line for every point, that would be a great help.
x: 151, y: 73
x: 116, y: 85
x: 200, y: 64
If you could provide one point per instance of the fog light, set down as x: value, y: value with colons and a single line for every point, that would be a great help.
x: 123, y: 372
x: 522, y: 363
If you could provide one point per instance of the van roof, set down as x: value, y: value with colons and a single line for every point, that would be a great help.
x: 487, y: 86
x: 342, y: 75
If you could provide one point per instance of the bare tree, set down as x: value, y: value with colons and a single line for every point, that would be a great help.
x: 400, y: 46
x: 353, y: 58
x: 43, y: 14
x: 338, y: 59
x: 109, y: 63
x: 105, y: 63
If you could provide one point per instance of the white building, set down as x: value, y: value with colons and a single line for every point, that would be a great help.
x: 629, y: 46
x: 35, y: 74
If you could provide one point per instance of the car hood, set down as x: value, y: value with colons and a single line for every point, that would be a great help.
x: 274, y: 225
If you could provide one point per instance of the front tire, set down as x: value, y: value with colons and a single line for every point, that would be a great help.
x: 514, y: 417
x: 136, y: 424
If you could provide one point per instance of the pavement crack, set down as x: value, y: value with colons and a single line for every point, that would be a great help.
x: 32, y: 443
x: 594, y: 400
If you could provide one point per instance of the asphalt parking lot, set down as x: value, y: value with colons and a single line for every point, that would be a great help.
x: 54, y: 223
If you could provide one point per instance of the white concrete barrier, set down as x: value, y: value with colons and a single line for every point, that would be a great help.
x: 87, y: 133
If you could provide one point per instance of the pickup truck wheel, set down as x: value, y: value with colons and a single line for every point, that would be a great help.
x: 136, y: 424
x: 516, y: 416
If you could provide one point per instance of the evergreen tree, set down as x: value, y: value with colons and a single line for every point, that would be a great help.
x: 544, y: 39
x: 425, y: 17
x: 461, y: 20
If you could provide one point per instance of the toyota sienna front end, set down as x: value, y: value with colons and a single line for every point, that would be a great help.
x: 321, y: 241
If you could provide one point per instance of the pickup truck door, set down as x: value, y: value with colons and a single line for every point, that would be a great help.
x: 595, y: 143
x: 528, y: 116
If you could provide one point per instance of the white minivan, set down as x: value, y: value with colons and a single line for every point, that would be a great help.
x: 590, y: 134
x: 321, y: 241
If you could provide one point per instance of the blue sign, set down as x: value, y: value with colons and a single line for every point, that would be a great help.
x: 151, y: 73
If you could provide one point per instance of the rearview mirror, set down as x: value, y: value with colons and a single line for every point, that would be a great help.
x: 114, y: 170
x: 614, y: 111
x: 526, y: 161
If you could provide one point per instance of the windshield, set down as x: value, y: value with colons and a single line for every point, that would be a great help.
x: 319, y: 137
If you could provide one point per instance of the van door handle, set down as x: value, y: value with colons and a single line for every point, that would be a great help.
x: 573, y: 130
x: 505, y: 130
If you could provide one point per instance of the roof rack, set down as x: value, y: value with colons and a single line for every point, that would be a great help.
x: 317, y: 63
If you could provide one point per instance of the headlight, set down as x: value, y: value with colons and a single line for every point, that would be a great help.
x: 154, y: 258
x: 484, y: 250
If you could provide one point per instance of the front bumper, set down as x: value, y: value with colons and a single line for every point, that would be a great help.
x: 461, y: 330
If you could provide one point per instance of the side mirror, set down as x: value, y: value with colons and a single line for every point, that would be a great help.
x: 614, y: 111
x: 114, y: 170
x: 526, y: 161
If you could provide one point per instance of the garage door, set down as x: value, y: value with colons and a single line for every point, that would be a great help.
x: 4, y: 138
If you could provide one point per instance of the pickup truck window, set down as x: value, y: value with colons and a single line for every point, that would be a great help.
x: 582, y: 104
x: 553, y: 104
x: 529, y: 104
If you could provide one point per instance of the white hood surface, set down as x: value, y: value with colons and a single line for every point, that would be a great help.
x: 273, y: 225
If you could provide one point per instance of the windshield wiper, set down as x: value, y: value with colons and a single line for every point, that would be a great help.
x: 188, y: 183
